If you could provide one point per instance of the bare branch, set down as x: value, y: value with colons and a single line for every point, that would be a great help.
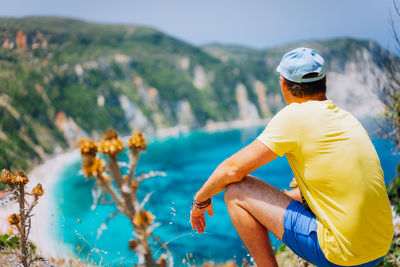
x: 125, y: 193
x: 112, y: 193
x: 396, y: 8
x: 9, y: 251
x: 150, y: 174
x: 134, y: 158
x: 390, y: 84
x: 115, y: 171
x: 164, y: 246
x: 34, y: 203
x: 28, y: 226
x: 96, y: 194
x: 103, y: 226
x: 22, y: 226
x: 38, y: 258
x: 145, y: 200
x: 396, y: 37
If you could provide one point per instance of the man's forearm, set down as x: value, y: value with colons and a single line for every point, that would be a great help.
x: 235, y: 168
x: 226, y: 173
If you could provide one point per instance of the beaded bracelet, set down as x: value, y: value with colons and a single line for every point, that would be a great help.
x: 201, y: 205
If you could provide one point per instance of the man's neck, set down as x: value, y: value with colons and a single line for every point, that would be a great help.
x: 294, y: 99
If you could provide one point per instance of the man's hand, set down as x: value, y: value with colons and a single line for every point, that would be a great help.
x: 197, y: 217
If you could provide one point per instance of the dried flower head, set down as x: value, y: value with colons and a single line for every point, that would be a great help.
x: 87, y: 147
x: 110, y: 134
x: 38, y: 190
x: 229, y: 264
x: 134, y: 185
x: 93, y: 170
x: 133, y: 244
x: 6, y: 177
x: 143, y: 218
x: 20, y: 178
x: 161, y: 262
x: 111, y: 144
x: 14, y: 219
x: 137, y: 141
x: 111, y: 147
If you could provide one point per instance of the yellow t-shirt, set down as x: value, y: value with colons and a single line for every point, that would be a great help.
x: 339, y: 175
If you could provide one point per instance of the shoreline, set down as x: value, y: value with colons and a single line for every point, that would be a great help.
x: 43, y: 230
x: 48, y: 173
x: 210, y: 127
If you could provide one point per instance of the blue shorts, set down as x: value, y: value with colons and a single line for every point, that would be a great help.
x: 300, y: 236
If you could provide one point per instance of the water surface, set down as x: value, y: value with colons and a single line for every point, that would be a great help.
x: 188, y: 160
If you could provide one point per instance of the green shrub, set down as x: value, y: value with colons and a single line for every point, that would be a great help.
x: 12, y: 242
x: 2, y: 186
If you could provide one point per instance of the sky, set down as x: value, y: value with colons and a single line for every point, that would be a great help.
x: 254, y: 23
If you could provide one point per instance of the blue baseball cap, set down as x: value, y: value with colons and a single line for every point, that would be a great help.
x: 299, y: 62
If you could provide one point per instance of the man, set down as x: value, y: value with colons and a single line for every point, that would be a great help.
x: 340, y: 215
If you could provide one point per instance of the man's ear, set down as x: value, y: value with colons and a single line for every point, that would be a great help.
x: 283, y: 86
x: 285, y: 91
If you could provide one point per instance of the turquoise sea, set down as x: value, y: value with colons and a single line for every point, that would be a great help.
x: 188, y: 160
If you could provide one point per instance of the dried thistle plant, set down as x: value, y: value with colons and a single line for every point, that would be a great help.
x: 21, y: 221
x: 124, y: 194
x: 229, y: 263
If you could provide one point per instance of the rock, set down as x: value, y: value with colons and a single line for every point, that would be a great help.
x: 261, y: 90
x: 247, y: 109
x: 5, y: 102
x: 78, y: 70
x: 42, y: 93
x: 185, y: 114
x: 133, y: 115
x: 71, y: 130
x: 200, y: 79
x: 354, y: 88
x: 122, y: 59
x: 184, y: 63
x: 20, y: 40
x: 100, y: 100
x: 8, y: 44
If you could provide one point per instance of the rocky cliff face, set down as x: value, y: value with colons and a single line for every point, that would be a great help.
x: 72, y: 132
x: 354, y: 86
x: 247, y: 109
x: 352, y: 67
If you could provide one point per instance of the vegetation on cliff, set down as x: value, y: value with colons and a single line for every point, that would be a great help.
x: 63, y: 78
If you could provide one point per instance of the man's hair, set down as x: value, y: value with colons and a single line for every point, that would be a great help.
x: 307, y: 89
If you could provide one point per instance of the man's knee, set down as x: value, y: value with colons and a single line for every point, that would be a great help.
x: 236, y: 191
x: 230, y: 191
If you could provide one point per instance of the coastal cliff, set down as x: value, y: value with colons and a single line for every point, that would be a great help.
x: 64, y: 78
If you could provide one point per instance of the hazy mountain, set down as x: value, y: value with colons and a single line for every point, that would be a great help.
x: 352, y: 68
x: 62, y: 78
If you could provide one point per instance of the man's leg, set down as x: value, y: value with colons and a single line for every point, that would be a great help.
x: 256, y: 207
x: 295, y: 194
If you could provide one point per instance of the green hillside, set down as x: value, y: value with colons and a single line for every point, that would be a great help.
x: 58, y: 72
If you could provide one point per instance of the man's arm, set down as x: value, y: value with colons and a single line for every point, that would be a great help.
x: 235, y: 168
